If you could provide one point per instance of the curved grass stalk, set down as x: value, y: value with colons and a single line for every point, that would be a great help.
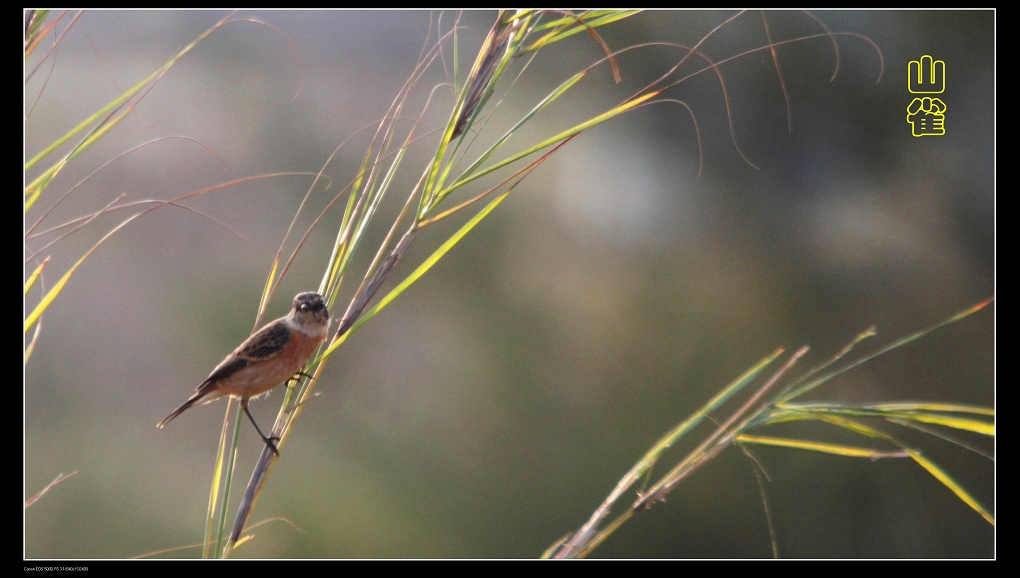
x: 757, y: 413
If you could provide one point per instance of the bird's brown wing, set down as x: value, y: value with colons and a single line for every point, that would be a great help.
x: 269, y: 341
x: 264, y: 344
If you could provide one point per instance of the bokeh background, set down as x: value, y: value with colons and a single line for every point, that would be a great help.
x: 493, y: 406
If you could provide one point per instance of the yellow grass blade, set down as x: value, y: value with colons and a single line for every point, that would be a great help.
x: 825, y: 448
x: 35, y: 275
x: 950, y: 483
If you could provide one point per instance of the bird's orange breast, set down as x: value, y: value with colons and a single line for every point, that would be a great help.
x: 265, y: 374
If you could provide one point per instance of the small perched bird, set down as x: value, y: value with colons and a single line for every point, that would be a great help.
x: 274, y: 355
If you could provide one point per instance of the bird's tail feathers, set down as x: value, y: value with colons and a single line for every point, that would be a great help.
x: 199, y: 398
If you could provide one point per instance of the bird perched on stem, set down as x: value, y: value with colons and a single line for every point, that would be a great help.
x: 275, y: 354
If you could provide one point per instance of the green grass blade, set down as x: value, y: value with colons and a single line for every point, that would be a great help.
x: 590, y: 123
x: 717, y: 401
x: 470, y: 170
x: 35, y: 188
x: 589, y: 535
x: 568, y: 26
x: 421, y: 270
x: 123, y: 97
x: 895, y: 345
x: 112, y: 105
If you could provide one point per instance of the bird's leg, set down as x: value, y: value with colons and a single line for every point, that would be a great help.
x: 296, y: 376
x: 269, y: 441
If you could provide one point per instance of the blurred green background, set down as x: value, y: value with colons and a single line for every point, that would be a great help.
x: 493, y: 406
